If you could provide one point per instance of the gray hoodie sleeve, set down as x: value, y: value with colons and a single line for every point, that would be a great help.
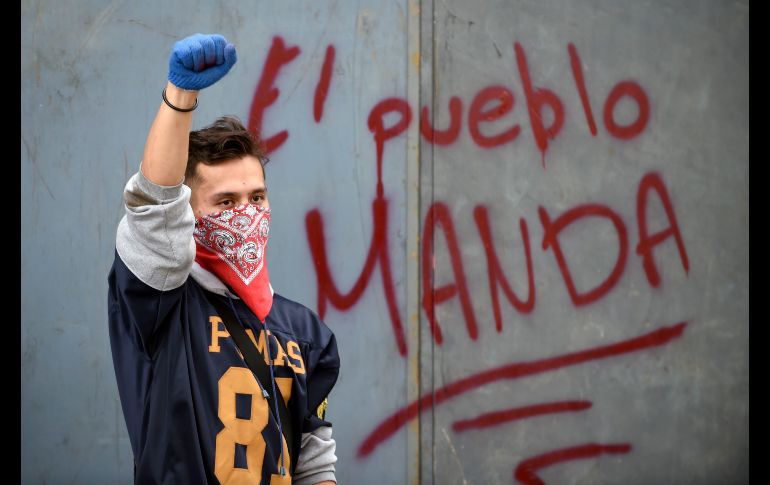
x: 155, y: 237
x: 316, y: 458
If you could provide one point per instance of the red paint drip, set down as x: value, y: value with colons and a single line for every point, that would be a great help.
x: 386, y: 428
x: 526, y: 472
x: 378, y: 253
x: 577, y: 72
x: 499, y: 417
x: 378, y: 248
x: 376, y: 124
x: 322, y: 87
x: 536, y: 99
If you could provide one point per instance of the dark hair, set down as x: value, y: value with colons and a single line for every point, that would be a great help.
x: 225, y: 139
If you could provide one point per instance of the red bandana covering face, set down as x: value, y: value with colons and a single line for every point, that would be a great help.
x: 231, y: 244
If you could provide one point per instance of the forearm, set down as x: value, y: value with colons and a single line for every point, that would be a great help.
x: 317, y: 457
x: 165, y: 152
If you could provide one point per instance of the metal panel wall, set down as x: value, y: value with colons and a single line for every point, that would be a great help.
x: 617, y: 211
x: 558, y: 231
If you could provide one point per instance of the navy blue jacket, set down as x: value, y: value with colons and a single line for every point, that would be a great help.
x: 193, y: 409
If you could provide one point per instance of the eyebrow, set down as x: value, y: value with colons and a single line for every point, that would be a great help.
x: 220, y: 195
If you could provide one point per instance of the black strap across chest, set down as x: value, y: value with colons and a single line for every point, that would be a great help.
x: 261, y: 371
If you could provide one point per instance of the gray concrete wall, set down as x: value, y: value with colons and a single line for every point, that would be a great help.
x: 624, y: 357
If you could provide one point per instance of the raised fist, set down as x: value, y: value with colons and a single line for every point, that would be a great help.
x: 198, y: 61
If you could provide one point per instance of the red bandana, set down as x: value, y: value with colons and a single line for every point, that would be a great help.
x: 231, y: 244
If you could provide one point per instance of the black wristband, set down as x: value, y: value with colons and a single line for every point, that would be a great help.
x: 181, y: 110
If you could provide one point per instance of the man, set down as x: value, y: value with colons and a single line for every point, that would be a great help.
x: 192, y: 241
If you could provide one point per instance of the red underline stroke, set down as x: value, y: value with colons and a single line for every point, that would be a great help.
x: 516, y: 370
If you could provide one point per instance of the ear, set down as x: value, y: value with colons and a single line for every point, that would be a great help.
x: 194, y: 201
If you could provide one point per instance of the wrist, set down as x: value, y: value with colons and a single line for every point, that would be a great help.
x: 182, y: 98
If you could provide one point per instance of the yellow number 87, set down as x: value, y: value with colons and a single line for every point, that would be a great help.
x: 246, y: 432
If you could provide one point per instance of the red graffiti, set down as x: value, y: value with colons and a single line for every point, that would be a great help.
x: 449, y: 135
x: 388, y: 427
x: 653, y: 181
x: 265, y: 94
x: 376, y: 124
x: 498, y: 417
x: 489, y: 104
x: 577, y: 72
x: 378, y: 253
x: 495, y: 273
x: 477, y: 114
x: 632, y: 89
x: 438, y: 213
x: 378, y: 248
x: 322, y: 88
x: 536, y: 100
x: 526, y: 471
x: 550, y: 239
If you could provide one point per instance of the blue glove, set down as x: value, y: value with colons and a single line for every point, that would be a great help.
x: 198, y: 61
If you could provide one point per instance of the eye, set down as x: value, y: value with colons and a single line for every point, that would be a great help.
x: 257, y: 198
x: 225, y: 202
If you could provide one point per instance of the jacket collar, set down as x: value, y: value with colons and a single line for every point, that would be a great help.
x: 209, y: 281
